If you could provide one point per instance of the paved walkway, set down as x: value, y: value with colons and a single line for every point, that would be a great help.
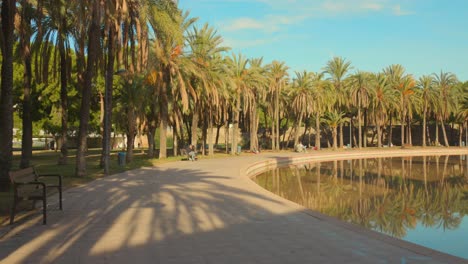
x: 199, y: 212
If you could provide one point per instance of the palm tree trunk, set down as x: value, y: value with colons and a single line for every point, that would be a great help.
x: 6, y: 94
x: 210, y: 132
x: 296, y: 137
x: 235, y: 127
x: 359, y: 125
x: 424, y: 144
x: 437, y: 132
x: 341, y: 136
x: 335, y: 140
x: 317, y: 131
x: 108, y: 102
x: 164, y: 113
x: 277, y: 118
x: 273, y: 132
x: 26, y: 142
x: 444, y: 132
x: 194, y: 128
x: 466, y: 133
x: 130, y: 134
x: 150, y: 135
x: 63, y: 104
x: 460, y: 135
x: 93, y: 47
x: 379, y: 133
x: 364, y: 134
x: 253, y: 127
x: 390, y: 132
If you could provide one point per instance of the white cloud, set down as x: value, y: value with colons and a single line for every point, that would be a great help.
x: 337, y: 7
x: 284, y: 13
x: 269, y: 23
x: 397, y: 11
x: 244, y: 23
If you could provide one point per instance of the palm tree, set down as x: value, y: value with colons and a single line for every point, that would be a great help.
x: 360, y: 90
x: 134, y: 97
x: 169, y: 26
x: 240, y: 82
x: 302, y: 94
x: 428, y: 95
x: 256, y: 96
x: 404, y: 85
x: 205, y: 46
x: 93, y: 49
x: 57, y: 28
x: 338, y: 69
x: 25, y: 31
x: 278, y: 78
x: 333, y: 119
x: 323, y: 102
x: 6, y: 94
x: 444, y: 83
x: 383, y: 99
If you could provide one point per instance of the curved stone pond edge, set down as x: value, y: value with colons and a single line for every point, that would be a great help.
x: 270, y: 163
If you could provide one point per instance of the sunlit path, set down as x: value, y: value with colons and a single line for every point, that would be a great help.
x: 202, y: 212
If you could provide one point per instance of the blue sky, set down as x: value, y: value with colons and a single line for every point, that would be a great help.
x: 425, y: 36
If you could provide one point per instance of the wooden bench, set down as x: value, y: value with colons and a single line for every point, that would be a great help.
x: 28, y: 185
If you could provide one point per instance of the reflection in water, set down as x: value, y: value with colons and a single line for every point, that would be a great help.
x: 390, y: 195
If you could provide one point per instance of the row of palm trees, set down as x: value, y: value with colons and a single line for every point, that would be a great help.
x: 176, y: 74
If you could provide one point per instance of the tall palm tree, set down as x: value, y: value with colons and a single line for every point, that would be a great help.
x: 205, y: 49
x: 238, y: 65
x: 404, y: 84
x: 57, y: 29
x: 428, y: 94
x: 360, y: 90
x: 25, y: 32
x: 8, y: 9
x: 93, y: 49
x: 257, y: 95
x: 338, y: 69
x: 333, y: 119
x: 278, y: 78
x: 302, y: 94
x: 445, y: 82
x: 169, y: 25
x: 383, y: 99
x: 323, y: 101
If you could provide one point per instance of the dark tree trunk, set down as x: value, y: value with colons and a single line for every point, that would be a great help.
x: 26, y: 140
x: 63, y: 102
x: 164, y: 113
x: 130, y: 133
x: 108, y: 100
x: 151, y: 133
x: 194, y: 127
x: 6, y: 94
x: 93, y: 49
x: 235, y: 127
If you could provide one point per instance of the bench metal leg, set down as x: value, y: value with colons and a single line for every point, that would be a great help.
x: 60, y: 198
x: 44, y: 208
x: 13, y: 211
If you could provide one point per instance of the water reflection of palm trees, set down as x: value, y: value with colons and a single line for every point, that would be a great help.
x: 390, y: 195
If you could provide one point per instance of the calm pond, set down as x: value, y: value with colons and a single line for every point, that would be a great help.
x: 423, y: 200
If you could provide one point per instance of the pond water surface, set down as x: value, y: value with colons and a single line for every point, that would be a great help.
x: 423, y: 200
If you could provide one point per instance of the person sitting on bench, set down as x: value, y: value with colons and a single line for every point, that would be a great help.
x: 192, y: 154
